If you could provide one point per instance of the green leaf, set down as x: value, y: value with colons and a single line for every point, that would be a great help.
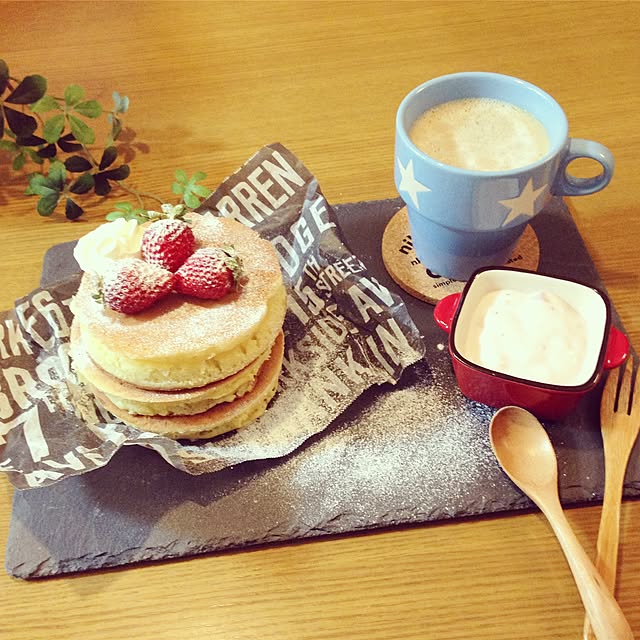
x: 198, y: 176
x: 76, y: 164
x: 190, y: 200
x: 4, y: 76
x: 38, y: 156
x: 41, y: 185
x: 46, y: 103
x: 57, y: 174
x: 31, y: 89
x: 109, y: 156
x: 53, y: 128
x: 72, y: 210
x: 20, y: 123
x: 83, y: 184
x: 73, y: 94
x: 125, y: 207
x: 177, y: 188
x: 181, y: 176
x: 89, y: 109
x: 8, y: 145
x: 81, y: 131
x: 18, y: 162
x: 200, y: 190
x: 126, y: 211
x: 47, y: 204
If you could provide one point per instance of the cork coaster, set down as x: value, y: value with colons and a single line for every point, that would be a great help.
x: 404, y: 267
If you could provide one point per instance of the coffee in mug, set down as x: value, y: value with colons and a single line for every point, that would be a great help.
x: 480, y: 134
x: 468, y: 209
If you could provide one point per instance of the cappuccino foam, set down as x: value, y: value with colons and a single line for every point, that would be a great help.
x: 481, y: 134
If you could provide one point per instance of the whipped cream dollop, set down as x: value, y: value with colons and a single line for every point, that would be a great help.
x: 533, y: 335
x: 98, y: 250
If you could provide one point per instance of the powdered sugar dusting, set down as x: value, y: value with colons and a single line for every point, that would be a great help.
x: 415, y: 454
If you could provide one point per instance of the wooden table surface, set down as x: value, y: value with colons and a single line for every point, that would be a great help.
x: 209, y: 84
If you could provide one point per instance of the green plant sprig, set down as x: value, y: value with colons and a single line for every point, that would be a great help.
x: 55, y: 133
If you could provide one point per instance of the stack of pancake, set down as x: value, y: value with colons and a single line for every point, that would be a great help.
x: 187, y: 367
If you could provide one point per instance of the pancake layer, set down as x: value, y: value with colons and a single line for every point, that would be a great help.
x: 220, y: 419
x: 159, y: 402
x: 183, y: 342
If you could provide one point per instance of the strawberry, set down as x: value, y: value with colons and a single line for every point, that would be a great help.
x: 167, y: 243
x: 134, y: 285
x: 209, y: 273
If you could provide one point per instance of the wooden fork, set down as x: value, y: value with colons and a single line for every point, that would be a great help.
x: 619, y: 423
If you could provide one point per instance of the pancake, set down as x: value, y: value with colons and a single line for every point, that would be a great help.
x: 184, y: 342
x: 159, y: 402
x: 220, y: 419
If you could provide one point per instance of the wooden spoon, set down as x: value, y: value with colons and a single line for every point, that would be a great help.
x: 525, y: 453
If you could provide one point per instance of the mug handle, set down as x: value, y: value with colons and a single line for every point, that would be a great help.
x: 445, y: 309
x: 567, y: 185
x: 617, y: 349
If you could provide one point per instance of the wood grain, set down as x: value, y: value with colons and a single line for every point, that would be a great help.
x: 210, y: 83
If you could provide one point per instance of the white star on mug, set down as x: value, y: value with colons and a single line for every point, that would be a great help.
x: 522, y: 204
x: 409, y: 183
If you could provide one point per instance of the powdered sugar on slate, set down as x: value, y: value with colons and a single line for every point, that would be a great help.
x: 422, y: 441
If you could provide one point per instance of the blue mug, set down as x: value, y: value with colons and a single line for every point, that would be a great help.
x: 465, y: 219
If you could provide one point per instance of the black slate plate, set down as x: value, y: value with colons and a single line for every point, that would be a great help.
x: 414, y: 453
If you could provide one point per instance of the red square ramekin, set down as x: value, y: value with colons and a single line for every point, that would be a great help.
x: 606, y: 346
